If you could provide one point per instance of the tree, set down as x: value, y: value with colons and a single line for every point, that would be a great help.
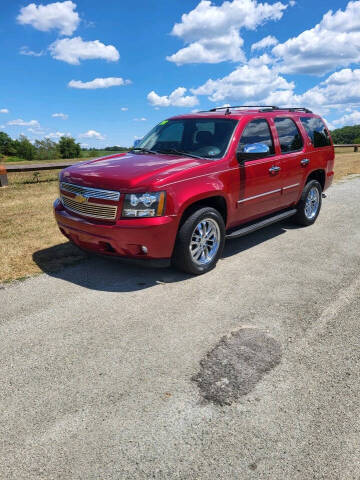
x: 68, y: 148
x: 7, y: 146
x: 46, y: 149
x: 357, y: 140
x: 25, y: 149
x: 346, y: 134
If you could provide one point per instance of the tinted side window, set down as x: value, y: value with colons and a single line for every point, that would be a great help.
x: 317, y: 131
x: 289, y: 136
x: 257, y: 131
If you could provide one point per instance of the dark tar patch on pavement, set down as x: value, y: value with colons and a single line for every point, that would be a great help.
x: 236, y: 364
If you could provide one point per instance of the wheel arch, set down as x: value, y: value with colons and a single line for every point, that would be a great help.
x: 214, y: 201
x: 318, y: 175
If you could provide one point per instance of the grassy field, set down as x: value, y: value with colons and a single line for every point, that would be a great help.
x: 21, y: 161
x: 30, y: 241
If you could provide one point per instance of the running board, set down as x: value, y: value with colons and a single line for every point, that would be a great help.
x: 240, y: 232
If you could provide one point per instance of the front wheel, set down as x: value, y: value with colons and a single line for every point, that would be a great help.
x: 309, y: 205
x: 200, y: 242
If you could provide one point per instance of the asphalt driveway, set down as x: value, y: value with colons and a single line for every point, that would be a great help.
x: 103, y: 365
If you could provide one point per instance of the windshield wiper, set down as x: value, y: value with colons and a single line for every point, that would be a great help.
x: 180, y: 152
x: 144, y: 150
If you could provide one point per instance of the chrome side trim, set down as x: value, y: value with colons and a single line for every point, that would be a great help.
x: 291, y: 186
x: 90, y: 192
x: 260, y: 195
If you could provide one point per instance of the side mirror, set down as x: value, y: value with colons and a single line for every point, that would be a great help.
x: 252, y: 151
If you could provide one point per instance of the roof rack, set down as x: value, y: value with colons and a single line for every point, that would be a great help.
x: 228, y: 108
x: 288, y: 109
x: 262, y: 108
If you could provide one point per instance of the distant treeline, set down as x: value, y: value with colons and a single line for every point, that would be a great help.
x: 346, y: 135
x: 47, y: 149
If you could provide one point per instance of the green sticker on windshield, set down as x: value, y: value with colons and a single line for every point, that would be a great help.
x: 163, y: 123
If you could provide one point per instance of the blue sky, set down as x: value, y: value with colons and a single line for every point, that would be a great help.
x: 114, y: 70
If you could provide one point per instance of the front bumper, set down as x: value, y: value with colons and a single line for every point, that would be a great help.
x: 123, y: 238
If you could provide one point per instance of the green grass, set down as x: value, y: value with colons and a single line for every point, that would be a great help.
x: 22, y: 161
x: 12, y: 160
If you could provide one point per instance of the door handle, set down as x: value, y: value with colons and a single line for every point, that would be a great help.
x: 274, y: 169
x: 305, y: 161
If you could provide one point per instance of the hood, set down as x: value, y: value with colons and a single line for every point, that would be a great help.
x: 130, y: 171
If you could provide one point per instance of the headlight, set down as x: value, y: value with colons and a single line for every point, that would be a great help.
x: 144, y: 204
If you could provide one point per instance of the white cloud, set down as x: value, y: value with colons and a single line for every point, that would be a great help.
x: 211, y: 32
x: 72, y: 50
x: 59, y: 15
x: 124, y: 109
x: 57, y: 135
x: 37, y: 131
x: 92, y: 134
x: 259, y: 82
x: 99, y: 83
x: 177, y: 98
x: 332, y: 43
x: 250, y: 83
x: 141, y: 119
x: 212, y: 50
x: 22, y: 123
x: 26, y: 51
x: 4, y: 110
x: 338, y: 90
x: 2, y: 126
x: 352, y: 118
x: 266, y: 42
x: 63, y: 116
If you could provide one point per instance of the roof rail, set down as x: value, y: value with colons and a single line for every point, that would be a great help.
x: 228, y: 108
x: 243, y: 106
x: 289, y: 109
x: 262, y: 108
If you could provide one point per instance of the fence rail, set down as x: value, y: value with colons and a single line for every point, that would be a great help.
x: 35, y: 167
x: 349, y: 145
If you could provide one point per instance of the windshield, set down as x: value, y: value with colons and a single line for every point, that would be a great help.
x: 202, y: 137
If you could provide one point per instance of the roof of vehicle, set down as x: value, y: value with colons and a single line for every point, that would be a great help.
x: 241, y: 110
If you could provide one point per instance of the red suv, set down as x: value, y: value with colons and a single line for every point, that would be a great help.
x: 194, y: 181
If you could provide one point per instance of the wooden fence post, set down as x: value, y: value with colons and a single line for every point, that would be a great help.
x: 3, y: 177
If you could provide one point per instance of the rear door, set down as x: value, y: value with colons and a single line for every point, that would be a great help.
x: 294, y: 161
x: 260, y: 180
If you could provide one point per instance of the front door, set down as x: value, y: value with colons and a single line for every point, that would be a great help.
x: 260, y: 178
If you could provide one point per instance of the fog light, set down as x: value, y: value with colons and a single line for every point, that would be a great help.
x: 144, y: 249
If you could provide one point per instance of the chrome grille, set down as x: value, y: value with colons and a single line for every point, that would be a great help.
x: 89, y: 209
x: 90, y: 192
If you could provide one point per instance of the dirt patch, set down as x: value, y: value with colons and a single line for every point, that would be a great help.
x: 236, y: 364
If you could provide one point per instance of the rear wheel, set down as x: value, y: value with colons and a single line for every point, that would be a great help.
x: 200, y: 242
x: 310, y: 204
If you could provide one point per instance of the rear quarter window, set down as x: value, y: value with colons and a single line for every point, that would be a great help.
x: 317, y: 131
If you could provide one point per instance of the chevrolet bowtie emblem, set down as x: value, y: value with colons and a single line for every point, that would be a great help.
x: 81, y: 199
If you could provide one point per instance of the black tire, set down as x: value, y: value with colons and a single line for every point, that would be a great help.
x: 182, y: 259
x: 301, y: 217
